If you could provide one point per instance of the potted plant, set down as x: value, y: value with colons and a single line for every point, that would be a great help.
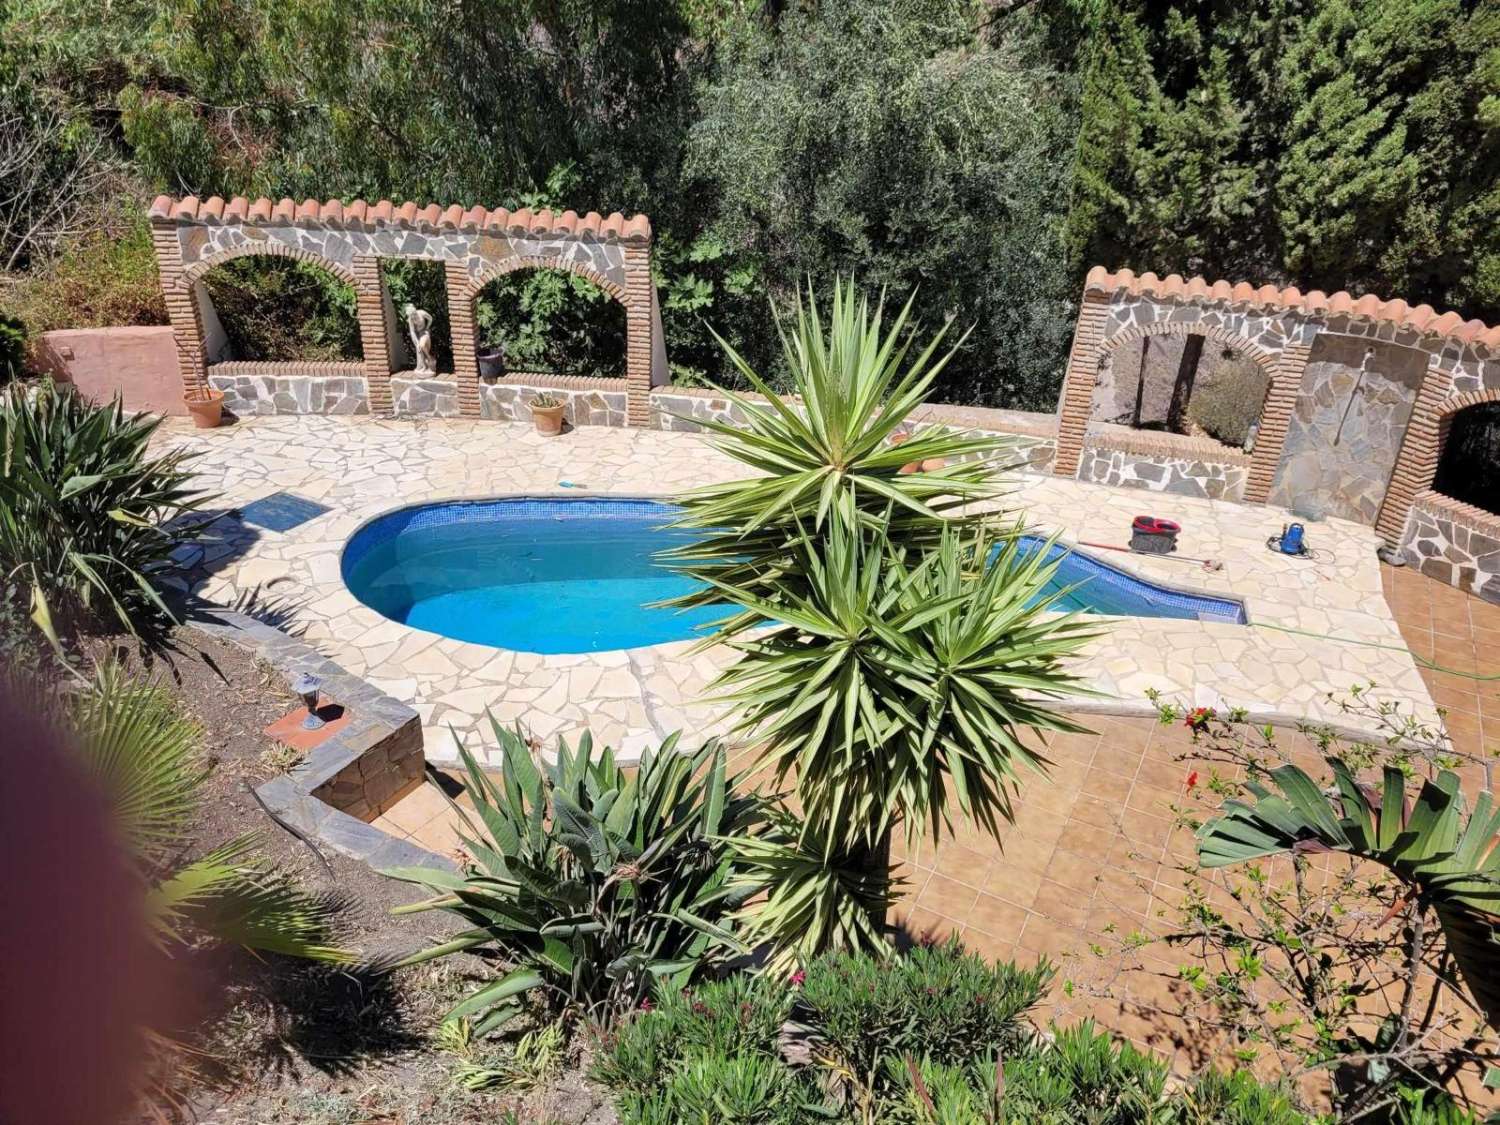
x: 547, y: 413
x: 206, y: 405
x: 491, y: 361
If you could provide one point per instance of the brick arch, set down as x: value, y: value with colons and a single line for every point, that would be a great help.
x: 1091, y: 344
x: 194, y: 272
x: 1179, y: 328
x: 515, y: 265
x: 1422, y: 448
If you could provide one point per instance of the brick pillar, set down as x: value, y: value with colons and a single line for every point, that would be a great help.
x: 638, y: 335
x: 1275, y: 417
x: 373, y: 308
x: 465, y: 338
x: 1416, y: 464
x: 1077, y: 397
x: 182, y: 307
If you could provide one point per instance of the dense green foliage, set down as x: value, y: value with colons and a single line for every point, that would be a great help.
x: 894, y: 653
x: 12, y: 347
x: 934, y: 1038
x: 87, y: 516
x: 592, y: 881
x: 982, y: 156
x: 1334, y: 143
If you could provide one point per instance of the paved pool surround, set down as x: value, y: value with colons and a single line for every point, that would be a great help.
x: 361, y: 467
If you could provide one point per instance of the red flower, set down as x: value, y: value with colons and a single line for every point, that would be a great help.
x: 1197, y: 719
x: 1192, y: 780
x: 646, y: 1005
x: 797, y: 978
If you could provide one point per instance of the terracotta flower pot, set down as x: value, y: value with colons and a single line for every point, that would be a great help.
x: 206, y: 406
x: 548, y: 419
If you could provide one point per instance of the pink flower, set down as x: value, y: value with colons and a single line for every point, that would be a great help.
x: 797, y: 978
x: 646, y: 1005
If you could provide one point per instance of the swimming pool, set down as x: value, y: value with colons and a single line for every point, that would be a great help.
x: 575, y: 575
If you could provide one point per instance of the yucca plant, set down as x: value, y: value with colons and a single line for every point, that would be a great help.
x: 902, y: 652
x: 843, y: 449
x: 592, y: 881
x: 1447, y: 863
x: 87, y: 517
x: 133, y: 738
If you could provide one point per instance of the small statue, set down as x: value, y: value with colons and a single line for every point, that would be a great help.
x: 419, y: 325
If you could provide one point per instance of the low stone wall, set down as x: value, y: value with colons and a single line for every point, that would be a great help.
x: 1455, y: 543
x: 586, y: 402
x: 358, y: 772
x: 302, y: 387
x: 684, y: 409
x: 424, y: 396
x: 1184, y: 466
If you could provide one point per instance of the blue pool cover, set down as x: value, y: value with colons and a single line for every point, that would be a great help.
x: 577, y: 575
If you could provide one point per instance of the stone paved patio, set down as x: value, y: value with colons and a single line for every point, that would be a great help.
x: 360, y: 467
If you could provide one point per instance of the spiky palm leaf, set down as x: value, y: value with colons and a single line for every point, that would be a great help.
x: 139, y: 746
x: 1453, y: 864
x: 803, y: 896
x: 831, y: 454
x: 899, y: 689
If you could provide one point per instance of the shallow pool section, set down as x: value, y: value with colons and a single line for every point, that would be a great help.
x: 575, y: 575
x: 1101, y: 588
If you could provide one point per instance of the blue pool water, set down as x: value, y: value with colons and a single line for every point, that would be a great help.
x: 576, y: 575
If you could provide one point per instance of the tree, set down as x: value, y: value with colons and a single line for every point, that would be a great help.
x: 895, y: 657
x: 892, y: 141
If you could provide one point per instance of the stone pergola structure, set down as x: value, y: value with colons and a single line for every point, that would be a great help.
x: 1291, y: 335
x: 475, y: 246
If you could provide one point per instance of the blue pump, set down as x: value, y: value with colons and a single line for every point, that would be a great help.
x: 1291, y: 540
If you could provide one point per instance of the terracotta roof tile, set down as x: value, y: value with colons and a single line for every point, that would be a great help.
x: 1421, y: 319
x: 432, y: 216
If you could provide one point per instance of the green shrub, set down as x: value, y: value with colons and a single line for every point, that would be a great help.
x: 87, y: 518
x: 1228, y: 401
x: 592, y: 882
x: 105, y: 278
x: 284, y: 309
x: 935, y: 1002
x: 12, y: 348
x: 742, y: 1015
x: 1236, y: 1098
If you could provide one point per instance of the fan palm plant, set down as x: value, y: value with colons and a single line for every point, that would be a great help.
x: 895, y: 643
x: 142, y: 750
x: 1448, y: 864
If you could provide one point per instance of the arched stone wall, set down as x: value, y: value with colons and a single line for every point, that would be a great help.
x: 1278, y: 327
x: 1113, y: 317
x: 464, y: 288
x: 473, y: 244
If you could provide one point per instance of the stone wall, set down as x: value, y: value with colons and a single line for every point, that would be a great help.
x: 1184, y: 466
x: 585, y: 402
x: 424, y: 397
x: 1455, y: 543
x: 291, y: 388
x: 1347, y: 427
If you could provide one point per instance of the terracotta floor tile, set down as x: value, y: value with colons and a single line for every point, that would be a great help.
x: 1016, y: 885
x: 1060, y: 904
x: 421, y: 805
x: 948, y: 897
x: 1081, y: 873
x: 998, y: 918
